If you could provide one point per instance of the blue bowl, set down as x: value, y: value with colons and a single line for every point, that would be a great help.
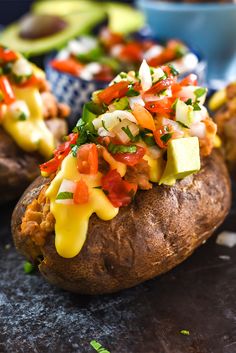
x: 209, y: 28
x: 71, y: 90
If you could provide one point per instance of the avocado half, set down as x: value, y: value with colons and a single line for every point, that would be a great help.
x: 122, y: 18
x: 77, y: 23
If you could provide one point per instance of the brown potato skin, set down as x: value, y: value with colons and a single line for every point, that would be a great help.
x: 19, y: 168
x: 156, y: 232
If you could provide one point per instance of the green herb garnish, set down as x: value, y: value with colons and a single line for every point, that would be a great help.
x: 64, y: 195
x: 28, y: 267
x: 165, y: 138
x: 131, y: 92
x: 129, y: 134
x: 98, y: 347
x: 185, y: 332
x: 189, y: 102
x: 199, y: 92
x: 173, y: 70
x: 196, y: 106
x: 22, y: 117
x: 121, y: 148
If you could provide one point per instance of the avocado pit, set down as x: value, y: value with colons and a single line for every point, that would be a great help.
x: 40, y: 26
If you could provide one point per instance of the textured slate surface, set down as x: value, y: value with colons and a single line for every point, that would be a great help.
x: 198, y: 296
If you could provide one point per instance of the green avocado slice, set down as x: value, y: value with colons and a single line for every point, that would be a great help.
x: 183, y: 159
x: 62, y: 8
x: 78, y: 23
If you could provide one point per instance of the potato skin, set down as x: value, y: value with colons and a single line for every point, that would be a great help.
x: 156, y: 232
x: 19, y: 168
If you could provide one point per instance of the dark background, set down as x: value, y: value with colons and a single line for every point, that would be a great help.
x: 11, y: 10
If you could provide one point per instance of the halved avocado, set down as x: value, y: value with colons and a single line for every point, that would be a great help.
x: 78, y: 23
x: 62, y: 8
x: 122, y: 18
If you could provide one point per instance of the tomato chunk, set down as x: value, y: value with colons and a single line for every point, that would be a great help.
x: 81, y: 194
x: 5, y: 86
x: 130, y: 159
x: 162, y: 107
x: 160, y: 86
x: 131, y: 52
x: 50, y: 166
x: 7, y: 55
x: 143, y: 117
x: 70, y: 66
x: 87, y: 159
x: 119, y: 191
x: 118, y: 90
x: 190, y: 80
x: 160, y: 132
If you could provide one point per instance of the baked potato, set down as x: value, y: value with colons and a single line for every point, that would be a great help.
x: 31, y: 123
x: 223, y: 104
x: 132, y: 193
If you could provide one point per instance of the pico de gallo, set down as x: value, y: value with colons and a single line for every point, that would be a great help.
x: 145, y: 128
x: 102, y: 58
x: 25, y: 102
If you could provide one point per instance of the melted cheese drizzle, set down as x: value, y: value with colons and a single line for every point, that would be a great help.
x: 72, y: 220
x: 32, y: 134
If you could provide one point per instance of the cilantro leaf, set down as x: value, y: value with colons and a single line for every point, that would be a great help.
x: 121, y: 148
x: 64, y: 195
x: 199, y: 92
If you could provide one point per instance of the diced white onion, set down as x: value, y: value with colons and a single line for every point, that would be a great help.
x: 155, y: 50
x: 145, y: 76
x: 111, y: 119
x: 188, y: 92
x: 199, y: 115
x: 121, y: 134
x: 19, y: 109
x: 116, y: 50
x: 67, y: 186
x: 176, y: 126
x: 90, y: 70
x: 82, y: 45
x: 226, y: 239
x: 186, y: 63
x: 157, y: 74
x: 198, y: 129
x: 136, y: 100
x: 103, y: 132
x: 154, y: 152
x: 63, y: 54
x: 22, y: 67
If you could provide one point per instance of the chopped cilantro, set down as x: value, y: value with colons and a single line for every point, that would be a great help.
x: 196, y: 106
x: 121, y: 148
x: 165, y: 138
x: 148, y: 139
x: 174, y: 104
x: 173, y: 70
x: 65, y: 195
x: 22, y: 117
x: 28, y: 267
x: 131, y: 92
x: 189, y: 102
x: 129, y: 134
x: 185, y: 332
x: 199, y: 92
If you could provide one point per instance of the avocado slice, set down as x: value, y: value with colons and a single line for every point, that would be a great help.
x: 183, y: 159
x: 78, y: 23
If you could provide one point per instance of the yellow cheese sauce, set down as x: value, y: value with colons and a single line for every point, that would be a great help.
x: 31, y: 134
x: 72, y: 220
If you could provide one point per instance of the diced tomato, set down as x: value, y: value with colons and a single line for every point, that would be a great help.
x: 7, y: 55
x: 118, y: 90
x: 64, y: 149
x: 162, y: 107
x: 32, y: 81
x: 59, y: 154
x: 110, y: 39
x: 87, y: 158
x: 143, y: 117
x: 105, y: 74
x: 8, y: 94
x: 176, y: 88
x: 81, y: 193
x: 70, y: 66
x: 161, y: 131
x: 190, y: 80
x: 130, y: 159
x: 50, y: 166
x: 160, y: 86
x: 131, y: 52
x: 119, y: 191
x: 166, y: 56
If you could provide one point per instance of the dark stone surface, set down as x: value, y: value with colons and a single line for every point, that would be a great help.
x: 198, y: 296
